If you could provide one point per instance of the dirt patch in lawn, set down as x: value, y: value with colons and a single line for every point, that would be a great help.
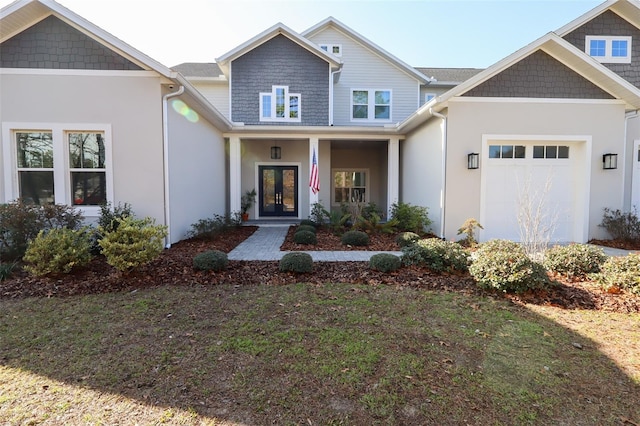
x: 174, y: 267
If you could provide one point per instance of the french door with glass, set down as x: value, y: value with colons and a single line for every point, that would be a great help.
x: 278, y: 190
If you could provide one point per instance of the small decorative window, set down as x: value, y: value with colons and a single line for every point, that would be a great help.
x: 335, y: 49
x: 551, y: 151
x: 428, y: 97
x: 609, y: 49
x: 280, y: 105
x: 371, y: 105
x: 350, y: 186
x: 506, y: 151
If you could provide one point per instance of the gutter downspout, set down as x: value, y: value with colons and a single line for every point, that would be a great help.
x: 443, y: 197
x: 331, y: 83
x: 165, y: 153
x: 628, y: 116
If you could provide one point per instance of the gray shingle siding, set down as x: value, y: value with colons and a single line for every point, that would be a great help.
x: 52, y: 44
x: 280, y: 62
x: 610, y: 24
x: 539, y: 76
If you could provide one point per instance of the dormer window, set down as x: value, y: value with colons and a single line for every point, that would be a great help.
x: 280, y: 105
x: 609, y: 49
x: 335, y: 49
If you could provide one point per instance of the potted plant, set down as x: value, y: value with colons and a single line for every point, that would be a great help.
x: 247, y: 200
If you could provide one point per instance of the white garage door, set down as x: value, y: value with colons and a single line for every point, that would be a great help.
x: 534, y: 187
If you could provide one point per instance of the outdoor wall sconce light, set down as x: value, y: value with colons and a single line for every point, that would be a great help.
x: 610, y: 161
x: 473, y: 160
x: 276, y: 152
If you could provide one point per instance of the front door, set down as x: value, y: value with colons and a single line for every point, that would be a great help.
x: 278, y: 190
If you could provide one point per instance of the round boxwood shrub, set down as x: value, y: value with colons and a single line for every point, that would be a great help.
x: 306, y: 228
x: 308, y: 222
x: 620, y: 272
x: 574, y: 260
x: 305, y: 237
x: 437, y: 255
x: 296, y: 262
x: 212, y: 260
x: 385, y: 262
x: 355, y: 238
x: 504, y: 265
x: 405, y: 239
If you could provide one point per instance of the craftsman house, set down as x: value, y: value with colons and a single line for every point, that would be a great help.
x: 553, y: 125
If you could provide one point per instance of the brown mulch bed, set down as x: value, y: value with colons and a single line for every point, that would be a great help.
x: 619, y: 244
x: 328, y: 241
x: 174, y: 267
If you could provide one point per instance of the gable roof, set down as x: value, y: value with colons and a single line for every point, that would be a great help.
x: 22, y: 14
x: 556, y: 47
x: 278, y: 29
x: 626, y: 9
x: 200, y: 71
x: 332, y: 22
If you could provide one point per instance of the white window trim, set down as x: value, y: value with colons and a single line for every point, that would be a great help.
x: 608, y: 58
x: 327, y: 47
x: 372, y: 106
x: 287, y: 104
x: 61, y: 166
x: 367, y: 186
x: 426, y: 96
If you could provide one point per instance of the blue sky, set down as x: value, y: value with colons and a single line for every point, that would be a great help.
x: 427, y: 33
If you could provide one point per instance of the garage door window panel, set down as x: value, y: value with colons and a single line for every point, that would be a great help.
x: 551, y: 152
x: 507, y: 151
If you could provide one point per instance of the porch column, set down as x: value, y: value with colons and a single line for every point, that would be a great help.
x: 235, y: 176
x: 393, y: 173
x: 313, y: 148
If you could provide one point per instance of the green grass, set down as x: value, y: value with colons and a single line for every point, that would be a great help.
x: 309, y: 354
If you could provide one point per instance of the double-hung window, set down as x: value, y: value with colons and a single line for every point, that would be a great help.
x: 58, y: 164
x: 335, y: 49
x: 609, y: 49
x: 280, y: 105
x: 350, y: 186
x: 370, y: 105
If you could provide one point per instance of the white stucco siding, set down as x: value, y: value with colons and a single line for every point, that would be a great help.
x: 217, y: 93
x: 421, y: 170
x: 363, y: 69
x: 131, y: 106
x: 197, y: 173
x: 595, y: 127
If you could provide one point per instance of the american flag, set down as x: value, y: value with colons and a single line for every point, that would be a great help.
x: 314, y: 181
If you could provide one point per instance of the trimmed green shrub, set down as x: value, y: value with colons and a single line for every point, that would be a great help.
x: 308, y: 222
x: 20, y: 223
x: 319, y: 215
x: 209, y: 228
x: 504, y: 265
x: 574, y: 260
x: 57, y: 251
x: 410, y: 218
x: 405, y: 239
x: 621, y: 225
x: 297, y: 262
x: 212, y: 260
x: 385, y: 262
x: 110, y: 217
x: 437, y: 255
x: 355, y: 238
x: 134, y: 243
x: 305, y: 237
x: 620, y: 272
x: 308, y: 228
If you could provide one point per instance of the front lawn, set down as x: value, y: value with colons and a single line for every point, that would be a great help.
x: 313, y: 354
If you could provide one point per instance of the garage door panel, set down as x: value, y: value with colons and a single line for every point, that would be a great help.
x: 537, y: 193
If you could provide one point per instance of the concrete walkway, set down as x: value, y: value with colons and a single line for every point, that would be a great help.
x: 264, y: 244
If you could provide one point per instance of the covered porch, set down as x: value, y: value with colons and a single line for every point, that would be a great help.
x: 361, y: 168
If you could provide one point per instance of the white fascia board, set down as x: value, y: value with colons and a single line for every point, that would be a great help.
x: 379, y: 51
x: 586, y: 17
x: 212, y: 114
